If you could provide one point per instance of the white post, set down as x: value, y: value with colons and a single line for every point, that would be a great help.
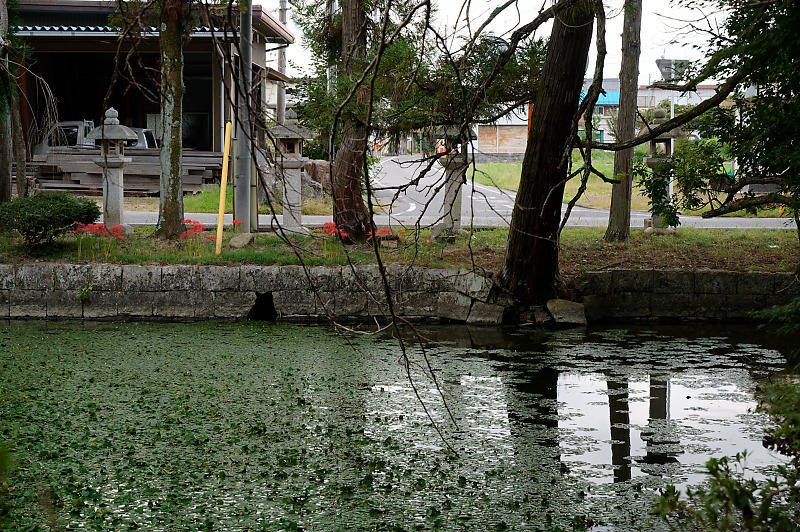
x: 671, y: 140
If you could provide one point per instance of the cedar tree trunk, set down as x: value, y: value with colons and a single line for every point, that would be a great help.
x: 619, y: 217
x: 20, y: 148
x: 6, y: 100
x: 170, y: 207
x: 349, y: 211
x: 530, y: 267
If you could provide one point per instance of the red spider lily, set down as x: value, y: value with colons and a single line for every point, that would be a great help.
x: 236, y: 222
x: 211, y: 237
x: 184, y: 235
x: 401, y: 232
x: 328, y: 228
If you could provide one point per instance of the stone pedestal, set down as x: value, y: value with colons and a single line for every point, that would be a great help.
x: 292, y: 195
x: 113, y: 198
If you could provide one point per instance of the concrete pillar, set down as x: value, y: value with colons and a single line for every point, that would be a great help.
x: 293, y: 196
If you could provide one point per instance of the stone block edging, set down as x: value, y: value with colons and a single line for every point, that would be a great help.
x: 682, y: 294
x: 189, y: 292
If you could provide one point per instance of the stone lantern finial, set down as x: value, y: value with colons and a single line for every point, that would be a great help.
x: 112, y: 117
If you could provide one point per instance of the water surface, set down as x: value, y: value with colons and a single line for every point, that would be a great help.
x: 253, y: 426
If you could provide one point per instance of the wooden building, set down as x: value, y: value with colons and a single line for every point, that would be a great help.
x: 73, y: 46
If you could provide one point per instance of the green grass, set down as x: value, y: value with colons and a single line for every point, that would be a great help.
x: 581, y: 249
x: 597, y: 194
x: 207, y: 200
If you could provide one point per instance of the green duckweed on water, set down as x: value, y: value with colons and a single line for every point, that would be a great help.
x: 252, y: 426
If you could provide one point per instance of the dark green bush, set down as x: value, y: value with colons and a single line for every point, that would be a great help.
x: 40, y: 219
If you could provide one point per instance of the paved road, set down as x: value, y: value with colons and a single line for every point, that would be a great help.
x: 482, y: 205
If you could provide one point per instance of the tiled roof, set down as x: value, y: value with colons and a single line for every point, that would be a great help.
x: 95, y: 29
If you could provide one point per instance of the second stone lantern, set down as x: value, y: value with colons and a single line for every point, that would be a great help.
x: 456, y: 162
x: 289, y: 139
x: 112, y: 160
x: 656, y: 224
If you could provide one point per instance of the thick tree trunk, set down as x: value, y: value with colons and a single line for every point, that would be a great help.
x: 6, y: 101
x: 349, y: 211
x: 20, y: 148
x: 5, y: 156
x: 530, y: 268
x: 170, y: 207
x: 619, y: 217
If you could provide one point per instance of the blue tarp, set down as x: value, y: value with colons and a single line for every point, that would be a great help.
x: 609, y: 98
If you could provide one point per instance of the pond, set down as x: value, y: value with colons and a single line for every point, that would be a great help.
x: 279, y: 427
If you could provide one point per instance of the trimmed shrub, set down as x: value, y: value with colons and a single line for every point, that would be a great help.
x: 42, y: 218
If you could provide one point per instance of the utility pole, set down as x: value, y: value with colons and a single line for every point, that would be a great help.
x: 241, y: 183
x: 280, y: 111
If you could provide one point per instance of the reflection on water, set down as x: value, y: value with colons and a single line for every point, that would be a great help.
x: 237, y: 426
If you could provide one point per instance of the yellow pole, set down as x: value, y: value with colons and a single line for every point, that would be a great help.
x: 222, y: 185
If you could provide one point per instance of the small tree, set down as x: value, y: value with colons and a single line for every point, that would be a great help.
x: 759, y: 42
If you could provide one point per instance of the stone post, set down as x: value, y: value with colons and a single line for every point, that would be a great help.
x: 113, y: 161
x: 292, y: 195
x: 289, y: 138
x: 455, y: 170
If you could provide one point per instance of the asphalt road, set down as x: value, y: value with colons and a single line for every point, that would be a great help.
x: 482, y: 206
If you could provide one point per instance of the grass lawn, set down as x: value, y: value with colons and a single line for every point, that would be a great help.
x: 598, y: 192
x: 582, y: 249
x: 207, y: 200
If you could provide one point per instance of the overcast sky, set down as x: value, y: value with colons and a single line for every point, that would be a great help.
x: 662, y: 31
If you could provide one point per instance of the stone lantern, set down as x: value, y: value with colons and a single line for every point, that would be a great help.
x: 456, y: 162
x: 289, y: 139
x: 659, y: 117
x: 112, y: 138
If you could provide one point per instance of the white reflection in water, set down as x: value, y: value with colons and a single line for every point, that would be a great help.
x: 657, y: 425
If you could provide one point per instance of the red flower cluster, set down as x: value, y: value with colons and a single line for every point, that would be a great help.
x: 116, y: 231
x: 195, y: 227
x: 329, y: 228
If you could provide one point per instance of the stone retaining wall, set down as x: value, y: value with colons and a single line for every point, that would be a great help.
x: 182, y: 292
x: 680, y: 294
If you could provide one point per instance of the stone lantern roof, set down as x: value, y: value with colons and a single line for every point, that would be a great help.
x: 111, y: 129
x: 291, y: 129
x: 454, y: 133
